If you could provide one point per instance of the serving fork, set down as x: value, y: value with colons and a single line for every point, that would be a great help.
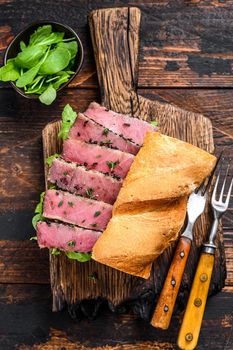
x: 165, y: 305
x: 191, y: 324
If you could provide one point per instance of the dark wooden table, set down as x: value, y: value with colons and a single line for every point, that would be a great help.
x: 186, y: 58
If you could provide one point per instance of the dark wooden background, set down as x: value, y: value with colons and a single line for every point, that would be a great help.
x: 186, y: 58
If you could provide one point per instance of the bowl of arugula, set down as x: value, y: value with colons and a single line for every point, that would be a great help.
x: 42, y: 59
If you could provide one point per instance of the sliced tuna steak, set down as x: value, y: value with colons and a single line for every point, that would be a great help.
x: 65, y: 237
x: 99, y: 158
x: 87, y: 130
x: 132, y: 129
x: 73, y: 209
x: 76, y: 179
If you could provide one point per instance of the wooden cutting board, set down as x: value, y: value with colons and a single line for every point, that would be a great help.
x: 115, y: 39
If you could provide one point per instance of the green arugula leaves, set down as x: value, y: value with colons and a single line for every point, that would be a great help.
x: 82, y: 257
x: 55, y: 251
x: 43, y: 65
x: 9, y: 72
x: 68, y: 119
x: 48, y: 96
x: 154, y: 123
x: 51, y: 158
x: 38, y: 211
x: 29, y: 56
x: 57, y: 60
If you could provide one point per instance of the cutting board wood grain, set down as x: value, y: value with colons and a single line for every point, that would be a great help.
x: 115, y: 39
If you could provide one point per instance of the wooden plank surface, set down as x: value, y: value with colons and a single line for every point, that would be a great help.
x: 27, y: 323
x: 184, y: 44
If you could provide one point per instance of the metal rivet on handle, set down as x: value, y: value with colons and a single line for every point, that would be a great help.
x: 197, y: 302
x: 182, y: 254
x: 173, y: 282
x: 189, y: 337
x: 203, y: 277
x: 166, y: 308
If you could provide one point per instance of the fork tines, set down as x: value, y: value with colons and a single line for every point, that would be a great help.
x: 222, y: 190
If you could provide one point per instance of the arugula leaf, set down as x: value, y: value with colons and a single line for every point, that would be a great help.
x: 48, y: 96
x: 51, y: 78
x: 154, y: 123
x: 35, y: 220
x: 55, y: 251
x: 29, y: 57
x: 37, y: 87
x: 39, y: 207
x: 9, y: 72
x: 57, y: 60
x: 68, y: 119
x: 69, y: 39
x: 44, y: 36
x: 61, y: 80
x: 40, y: 33
x: 22, y: 45
x: 82, y: 257
x: 52, y: 39
x: 34, y: 238
x: 38, y: 211
x: 71, y: 46
x: 36, y: 81
x: 28, y: 76
x: 52, y: 187
x: 50, y: 159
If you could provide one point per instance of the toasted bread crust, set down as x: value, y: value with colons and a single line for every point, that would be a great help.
x: 150, y: 209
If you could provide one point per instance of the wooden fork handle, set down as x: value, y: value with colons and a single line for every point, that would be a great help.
x: 191, y: 325
x: 164, y: 308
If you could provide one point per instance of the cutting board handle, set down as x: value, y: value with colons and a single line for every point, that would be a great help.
x: 115, y: 39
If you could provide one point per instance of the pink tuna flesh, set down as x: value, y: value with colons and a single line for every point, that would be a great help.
x: 87, y: 130
x: 77, y: 179
x: 132, y: 129
x: 64, y: 237
x: 73, y: 209
x: 98, y: 158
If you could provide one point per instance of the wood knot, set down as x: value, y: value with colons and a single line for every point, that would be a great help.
x: 16, y: 169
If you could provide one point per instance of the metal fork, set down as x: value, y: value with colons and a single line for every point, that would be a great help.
x: 191, y: 325
x: 219, y: 208
x: 165, y: 305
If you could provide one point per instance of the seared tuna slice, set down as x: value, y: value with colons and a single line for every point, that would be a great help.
x: 132, y: 129
x: 64, y: 237
x: 87, y: 130
x: 99, y: 158
x: 77, y: 179
x: 73, y: 209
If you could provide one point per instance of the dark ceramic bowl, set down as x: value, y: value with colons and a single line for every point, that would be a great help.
x: 14, y: 48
